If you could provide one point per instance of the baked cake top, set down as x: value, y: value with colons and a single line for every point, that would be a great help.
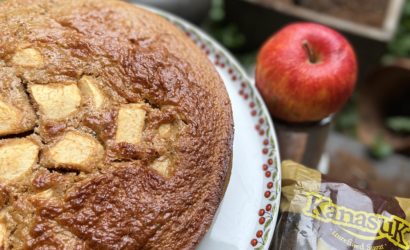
x: 116, y: 131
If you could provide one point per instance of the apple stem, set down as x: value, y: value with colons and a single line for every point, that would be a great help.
x: 309, y: 50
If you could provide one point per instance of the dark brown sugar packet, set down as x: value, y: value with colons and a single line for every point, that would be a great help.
x: 317, y: 213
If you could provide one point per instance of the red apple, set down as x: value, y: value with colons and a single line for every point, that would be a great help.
x: 305, y: 72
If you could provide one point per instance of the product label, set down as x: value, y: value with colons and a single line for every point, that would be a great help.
x: 359, y: 224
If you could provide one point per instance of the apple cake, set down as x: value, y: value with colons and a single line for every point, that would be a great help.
x: 116, y: 131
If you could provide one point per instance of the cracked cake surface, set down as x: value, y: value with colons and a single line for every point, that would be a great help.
x: 115, y: 130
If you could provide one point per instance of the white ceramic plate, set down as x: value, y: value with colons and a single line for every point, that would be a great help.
x: 247, y: 216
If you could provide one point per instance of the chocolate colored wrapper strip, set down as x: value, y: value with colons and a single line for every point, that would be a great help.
x: 321, y: 214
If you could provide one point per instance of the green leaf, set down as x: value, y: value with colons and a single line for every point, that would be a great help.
x: 400, y: 46
x: 267, y: 224
x: 266, y: 236
x: 258, y: 103
x: 251, y: 93
x: 260, y: 247
x: 272, y: 198
x: 399, y: 124
x: 273, y: 209
x: 274, y: 175
x: 380, y: 148
x: 272, y: 142
x: 236, y: 68
x: 217, y: 12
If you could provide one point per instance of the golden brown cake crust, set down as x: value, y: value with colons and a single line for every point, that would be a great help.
x: 125, y: 129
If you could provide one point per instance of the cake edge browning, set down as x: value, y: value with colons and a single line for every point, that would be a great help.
x: 227, y: 147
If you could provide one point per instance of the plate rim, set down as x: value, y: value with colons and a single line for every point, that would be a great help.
x: 184, y: 26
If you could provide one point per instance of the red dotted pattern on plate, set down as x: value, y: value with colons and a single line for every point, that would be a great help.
x: 266, y: 214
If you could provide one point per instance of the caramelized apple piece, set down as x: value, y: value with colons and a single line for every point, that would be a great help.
x: 10, y: 119
x: 28, y: 57
x: 165, y: 130
x: 16, y: 119
x: 89, y: 89
x: 163, y: 166
x: 74, y: 150
x: 17, y: 157
x: 57, y: 101
x: 170, y: 130
x: 16, y: 113
x: 44, y: 195
x: 130, y: 123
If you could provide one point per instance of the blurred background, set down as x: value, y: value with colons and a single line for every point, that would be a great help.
x: 369, y: 145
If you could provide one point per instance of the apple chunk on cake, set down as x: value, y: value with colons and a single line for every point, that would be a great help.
x: 11, y: 120
x: 130, y: 123
x: 56, y: 101
x: 16, y: 113
x: 74, y: 150
x: 17, y: 157
x: 91, y: 92
x: 28, y: 57
x: 163, y: 166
